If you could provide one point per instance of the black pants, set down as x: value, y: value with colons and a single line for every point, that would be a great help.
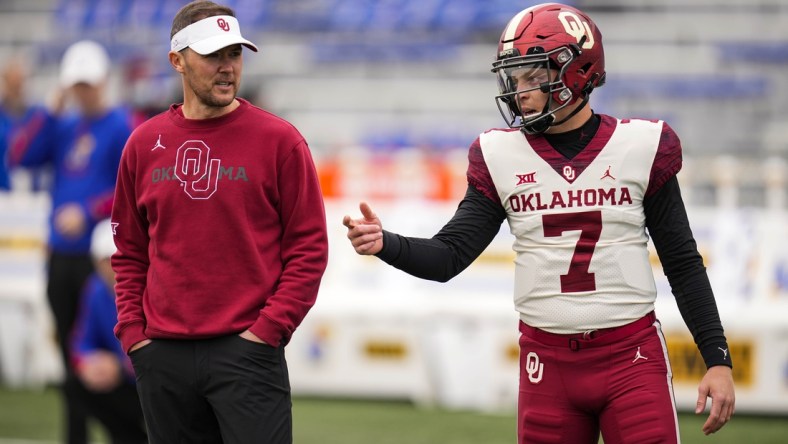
x: 120, y: 413
x: 223, y: 390
x: 67, y: 275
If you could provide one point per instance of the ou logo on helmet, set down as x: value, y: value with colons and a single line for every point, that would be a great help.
x: 198, y: 173
x: 577, y: 28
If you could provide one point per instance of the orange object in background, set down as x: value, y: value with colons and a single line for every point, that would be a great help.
x: 399, y: 175
x: 328, y: 172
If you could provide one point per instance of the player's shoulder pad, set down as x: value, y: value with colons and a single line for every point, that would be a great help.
x: 498, y: 134
x: 500, y: 131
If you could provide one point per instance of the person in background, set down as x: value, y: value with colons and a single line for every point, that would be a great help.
x: 222, y: 244
x: 579, y: 191
x: 15, y: 110
x: 82, y: 145
x: 97, y: 358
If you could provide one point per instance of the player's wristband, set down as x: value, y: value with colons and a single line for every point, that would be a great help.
x: 717, y: 354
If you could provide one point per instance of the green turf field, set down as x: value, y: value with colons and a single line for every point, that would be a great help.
x: 28, y: 416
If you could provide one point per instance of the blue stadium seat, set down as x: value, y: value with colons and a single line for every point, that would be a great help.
x: 690, y: 87
x: 761, y: 52
x: 350, y: 15
x: 381, y: 50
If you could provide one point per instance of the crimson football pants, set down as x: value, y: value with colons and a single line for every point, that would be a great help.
x: 615, y: 380
x: 225, y: 390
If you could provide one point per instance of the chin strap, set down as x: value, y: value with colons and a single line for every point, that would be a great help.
x: 575, y: 111
x: 541, y: 125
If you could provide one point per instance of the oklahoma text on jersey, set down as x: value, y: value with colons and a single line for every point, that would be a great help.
x: 569, y: 199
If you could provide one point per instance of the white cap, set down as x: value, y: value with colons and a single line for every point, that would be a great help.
x: 102, y: 241
x: 84, y: 62
x: 210, y: 35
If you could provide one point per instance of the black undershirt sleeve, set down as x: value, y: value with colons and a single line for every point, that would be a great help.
x: 669, y: 228
x: 474, y: 225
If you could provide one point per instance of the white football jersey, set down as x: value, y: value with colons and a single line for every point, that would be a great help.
x: 582, y: 260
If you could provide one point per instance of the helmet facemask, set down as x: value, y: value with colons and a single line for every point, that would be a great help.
x: 543, y: 71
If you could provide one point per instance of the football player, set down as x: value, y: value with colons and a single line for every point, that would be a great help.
x: 579, y: 190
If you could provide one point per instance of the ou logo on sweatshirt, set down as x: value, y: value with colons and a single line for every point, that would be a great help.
x: 198, y: 173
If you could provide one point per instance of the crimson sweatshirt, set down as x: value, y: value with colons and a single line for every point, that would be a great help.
x: 220, y: 227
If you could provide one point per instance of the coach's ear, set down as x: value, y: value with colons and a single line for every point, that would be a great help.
x: 176, y: 60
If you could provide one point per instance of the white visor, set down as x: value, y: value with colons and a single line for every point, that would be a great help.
x: 210, y: 35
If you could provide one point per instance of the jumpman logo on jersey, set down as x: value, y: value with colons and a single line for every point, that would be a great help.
x: 639, y: 356
x: 607, y: 174
x: 158, y: 144
x: 724, y: 352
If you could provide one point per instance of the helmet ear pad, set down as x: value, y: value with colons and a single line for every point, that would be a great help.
x: 595, y: 81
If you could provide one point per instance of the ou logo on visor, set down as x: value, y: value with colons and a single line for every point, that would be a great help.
x: 223, y: 24
x: 198, y: 173
x: 577, y: 28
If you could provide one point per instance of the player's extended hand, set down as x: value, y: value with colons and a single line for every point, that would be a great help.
x: 717, y: 384
x: 366, y: 233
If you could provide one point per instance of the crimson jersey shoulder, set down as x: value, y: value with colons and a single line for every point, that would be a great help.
x: 478, y: 173
x: 668, y: 160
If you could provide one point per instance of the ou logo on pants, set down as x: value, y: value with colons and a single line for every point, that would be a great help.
x: 198, y: 173
x: 533, y: 367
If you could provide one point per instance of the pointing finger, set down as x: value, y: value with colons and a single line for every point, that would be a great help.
x: 367, y: 212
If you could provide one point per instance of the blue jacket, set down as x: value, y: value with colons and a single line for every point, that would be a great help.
x: 93, y: 329
x: 84, y: 154
x: 8, y: 126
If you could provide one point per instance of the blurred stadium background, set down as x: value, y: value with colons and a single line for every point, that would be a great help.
x: 389, y: 94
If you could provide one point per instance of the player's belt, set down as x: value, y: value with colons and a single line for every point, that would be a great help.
x: 593, y: 338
